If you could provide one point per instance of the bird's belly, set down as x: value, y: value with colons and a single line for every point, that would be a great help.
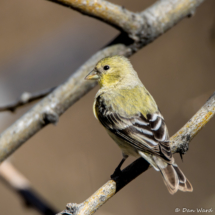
x: 126, y: 148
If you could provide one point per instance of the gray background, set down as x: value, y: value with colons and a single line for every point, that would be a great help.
x: 42, y: 43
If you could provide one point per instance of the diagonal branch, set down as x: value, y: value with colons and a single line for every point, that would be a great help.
x: 19, y: 184
x: 26, y: 98
x: 162, y: 15
x: 179, y: 141
x: 135, y: 24
x: 50, y: 108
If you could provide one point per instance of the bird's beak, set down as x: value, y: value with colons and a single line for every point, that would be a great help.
x: 93, y: 75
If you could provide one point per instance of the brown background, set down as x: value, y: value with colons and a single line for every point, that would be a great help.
x: 42, y: 43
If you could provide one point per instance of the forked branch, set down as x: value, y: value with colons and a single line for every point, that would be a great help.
x: 137, y: 30
x: 156, y: 20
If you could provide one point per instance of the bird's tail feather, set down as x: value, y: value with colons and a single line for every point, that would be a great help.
x: 173, y: 177
x: 184, y: 184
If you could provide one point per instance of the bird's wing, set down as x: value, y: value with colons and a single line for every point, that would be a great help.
x: 147, y: 134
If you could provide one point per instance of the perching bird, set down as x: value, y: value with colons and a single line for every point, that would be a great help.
x: 132, y: 118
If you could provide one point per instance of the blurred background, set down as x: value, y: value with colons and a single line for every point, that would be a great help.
x: 42, y: 44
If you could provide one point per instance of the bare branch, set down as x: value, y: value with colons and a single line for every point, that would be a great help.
x: 26, y: 98
x: 50, y: 108
x: 18, y: 183
x: 144, y: 26
x: 180, y: 141
x: 113, y: 14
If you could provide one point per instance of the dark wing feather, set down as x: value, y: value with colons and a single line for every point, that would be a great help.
x: 145, y: 134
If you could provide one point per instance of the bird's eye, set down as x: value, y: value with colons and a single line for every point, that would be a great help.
x: 106, y: 67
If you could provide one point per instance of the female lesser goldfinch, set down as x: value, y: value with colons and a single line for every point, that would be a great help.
x: 132, y: 119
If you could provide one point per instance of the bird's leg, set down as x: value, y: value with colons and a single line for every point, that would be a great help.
x: 118, y: 170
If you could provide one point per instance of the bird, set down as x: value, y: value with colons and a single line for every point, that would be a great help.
x: 132, y: 118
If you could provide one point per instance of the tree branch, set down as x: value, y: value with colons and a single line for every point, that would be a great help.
x: 135, y: 24
x: 162, y: 16
x: 179, y: 141
x: 56, y: 103
x: 26, y: 98
x: 18, y: 183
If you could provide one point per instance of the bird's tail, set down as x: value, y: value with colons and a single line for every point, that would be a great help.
x: 173, y: 177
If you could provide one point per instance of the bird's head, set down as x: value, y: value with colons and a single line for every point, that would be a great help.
x: 111, y: 70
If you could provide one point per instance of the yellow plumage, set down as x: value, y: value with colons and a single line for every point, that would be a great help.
x: 131, y: 117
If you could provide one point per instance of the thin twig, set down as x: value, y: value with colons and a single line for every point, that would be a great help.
x: 18, y: 183
x: 56, y: 103
x: 179, y: 141
x: 26, y: 98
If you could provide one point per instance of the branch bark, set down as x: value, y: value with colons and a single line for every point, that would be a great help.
x: 180, y: 140
x: 179, y: 143
x: 50, y: 108
x: 146, y: 25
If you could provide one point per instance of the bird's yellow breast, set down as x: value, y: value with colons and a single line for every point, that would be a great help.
x: 126, y: 101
